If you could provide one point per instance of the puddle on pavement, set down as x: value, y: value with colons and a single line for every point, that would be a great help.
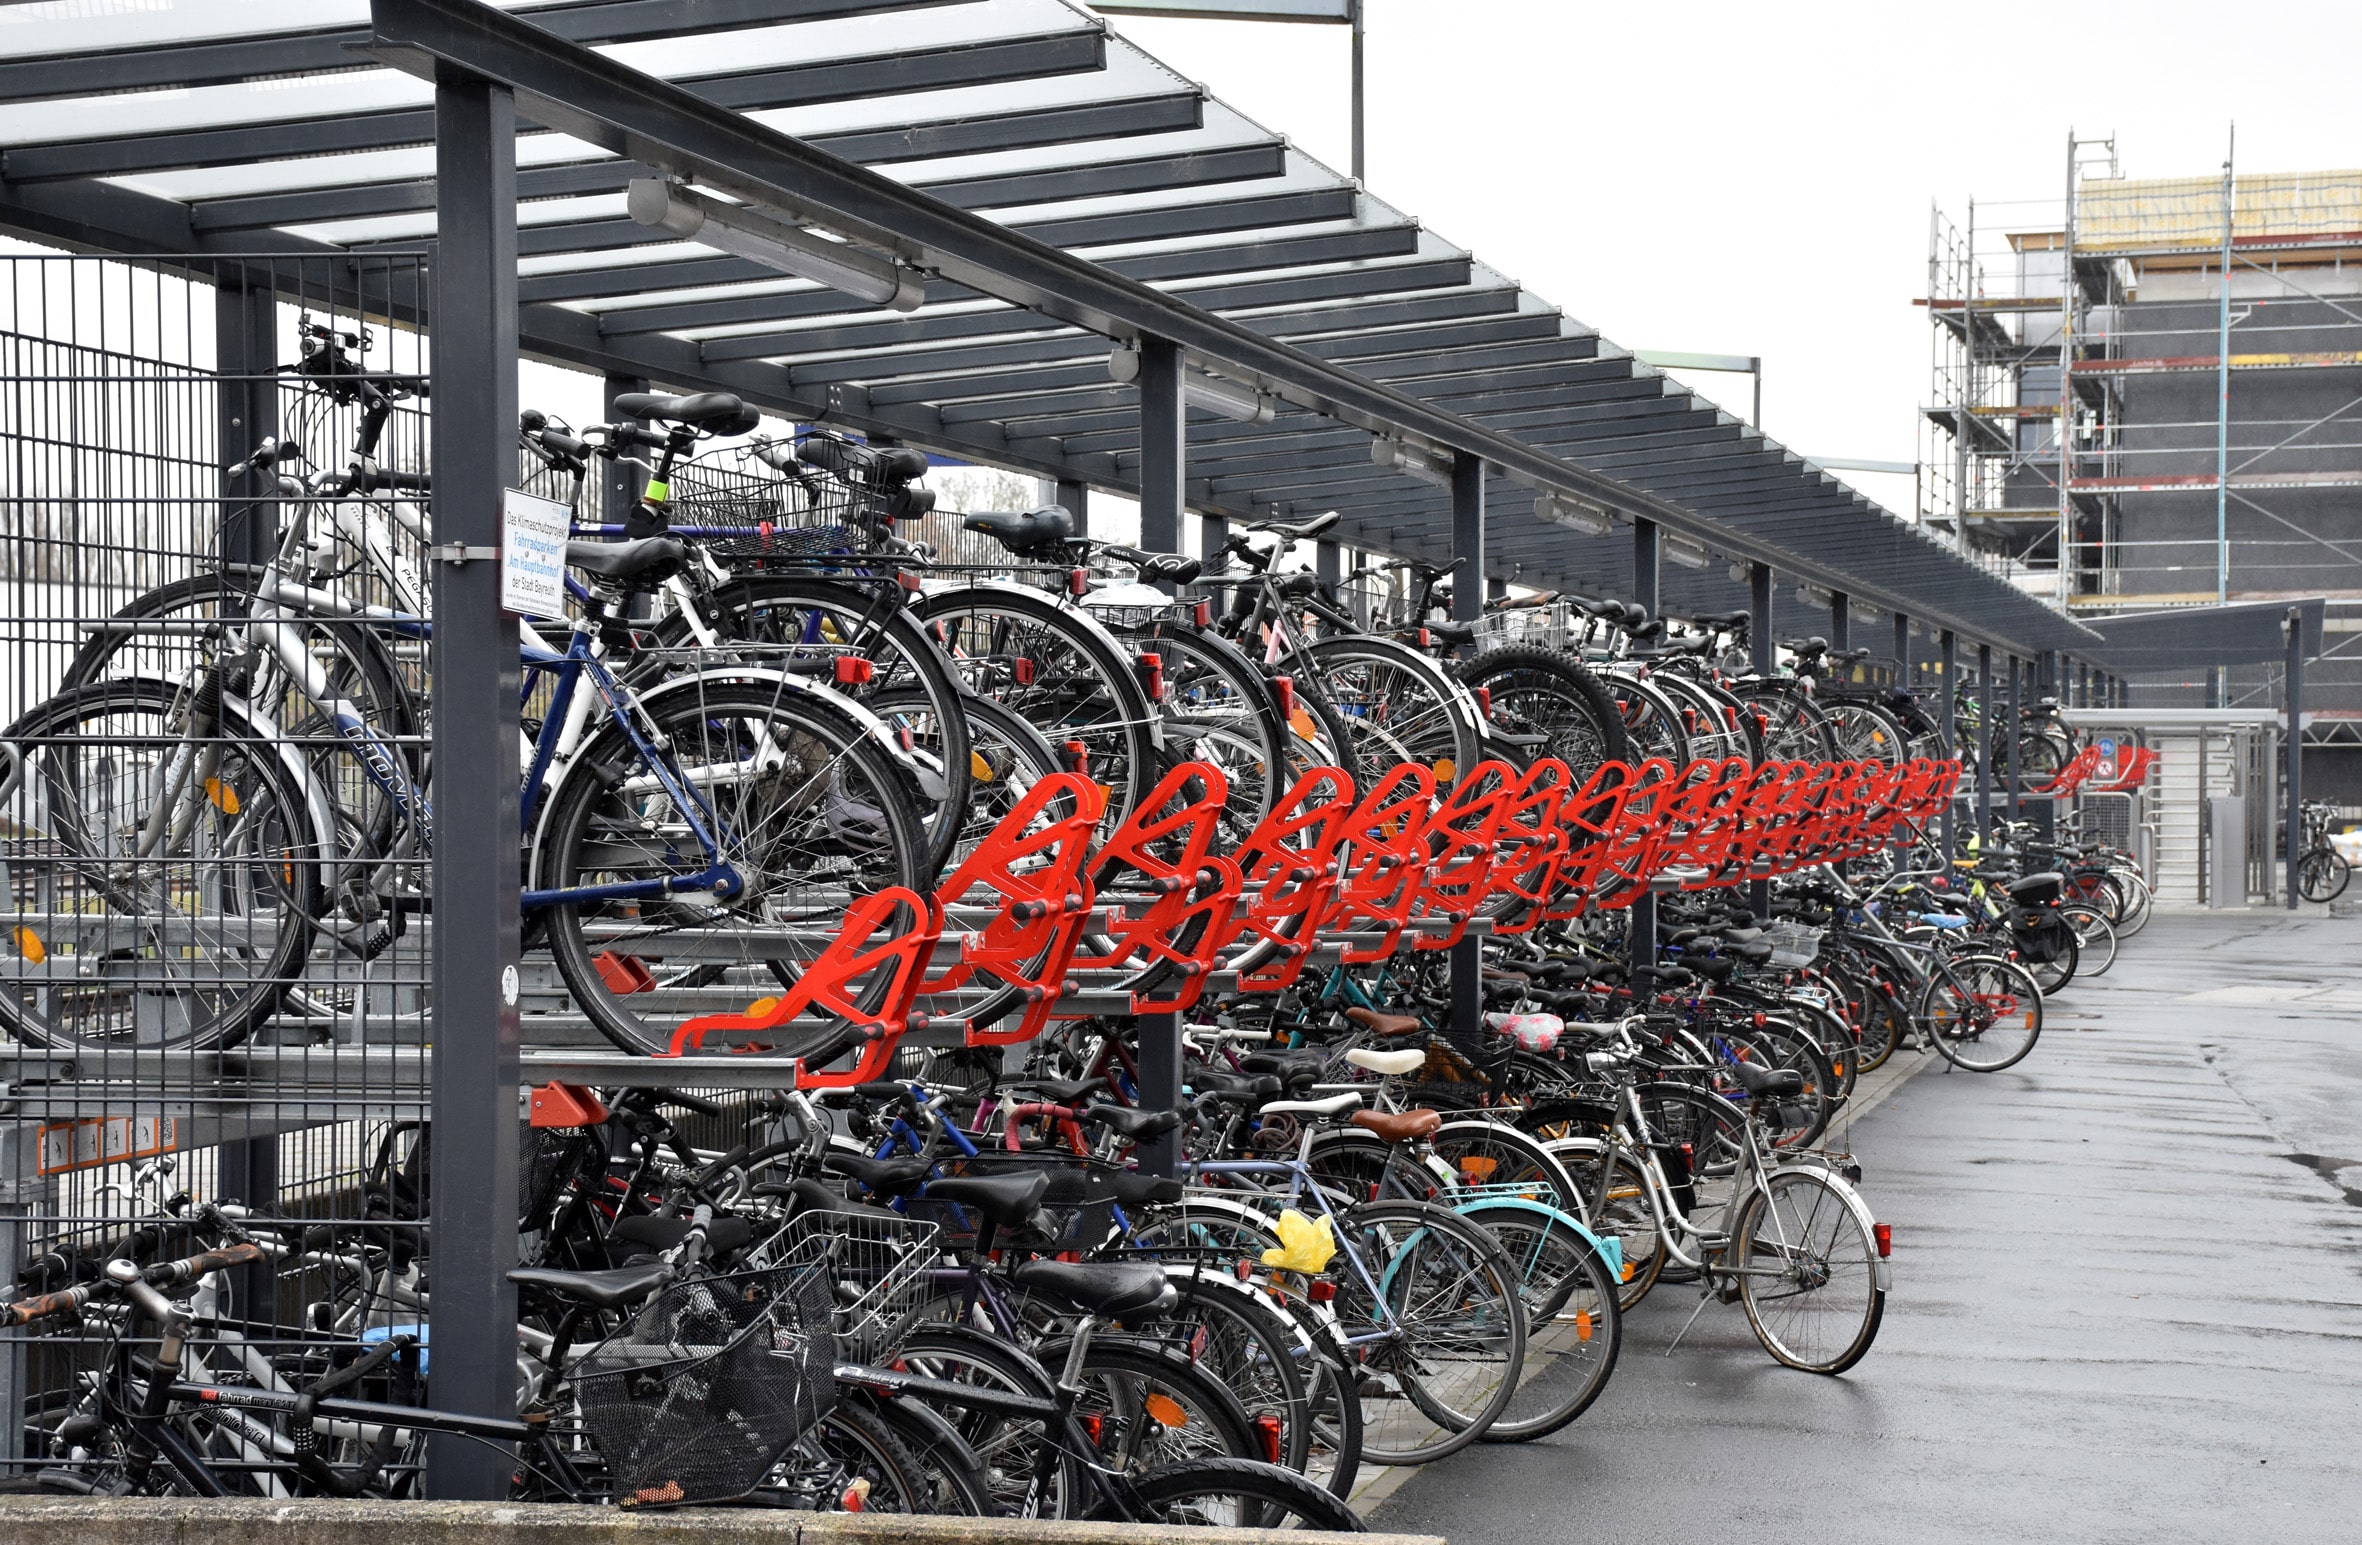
x: 2329, y: 1168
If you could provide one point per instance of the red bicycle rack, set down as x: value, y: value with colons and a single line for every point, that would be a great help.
x: 1034, y: 867
x: 1290, y: 867
x: 1169, y: 841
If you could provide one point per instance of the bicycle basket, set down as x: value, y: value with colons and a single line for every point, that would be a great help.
x: 875, y: 1265
x: 1792, y: 943
x: 701, y: 1394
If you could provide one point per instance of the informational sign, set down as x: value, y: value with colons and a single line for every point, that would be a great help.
x: 2105, y: 770
x: 533, y: 554
x: 96, y: 1140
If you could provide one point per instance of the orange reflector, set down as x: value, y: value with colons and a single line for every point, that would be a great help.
x: 978, y: 768
x: 1627, y: 1276
x: 1477, y: 1167
x: 1166, y: 1410
x: 29, y: 945
x: 1305, y: 726
x: 623, y: 974
x: 760, y: 1007
x: 225, y: 798
x: 1582, y: 1325
x: 1445, y: 769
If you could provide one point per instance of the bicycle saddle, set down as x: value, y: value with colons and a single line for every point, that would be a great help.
x: 627, y: 560
x: 1406, y: 1126
x: 1385, y: 1024
x: 1386, y: 1064
x: 1170, y: 567
x: 1114, y: 1289
x: 1453, y: 632
x: 720, y: 412
x: 1023, y: 531
x: 1005, y: 1199
x: 614, y: 1288
x: 722, y: 1236
x: 887, y: 1176
x: 1236, y: 1088
x: 1137, y: 1125
x: 1771, y: 1081
x: 1723, y: 621
x: 1801, y: 647
x: 1299, y: 531
x: 1332, y: 1105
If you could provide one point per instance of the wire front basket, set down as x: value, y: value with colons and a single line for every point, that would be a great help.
x: 698, y: 1398
x: 876, y: 1264
x: 775, y: 519
x: 1555, y: 626
x: 1792, y: 943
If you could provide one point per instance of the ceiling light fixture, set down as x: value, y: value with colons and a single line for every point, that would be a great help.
x: 1216, y: 394
x: 1689, y: 554
x: 751, y: 234
x: 1558, y: 510
x: 1425, y: 465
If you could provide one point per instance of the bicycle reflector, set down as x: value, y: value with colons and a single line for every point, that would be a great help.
x: 1320, y: 1291
x: 1885, y: 1235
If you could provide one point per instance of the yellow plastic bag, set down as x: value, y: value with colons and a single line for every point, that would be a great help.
x: 1305, y: 1245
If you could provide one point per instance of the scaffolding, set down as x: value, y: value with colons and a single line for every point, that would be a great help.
x: 2215, y: 428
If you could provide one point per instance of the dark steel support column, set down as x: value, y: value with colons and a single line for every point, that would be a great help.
x: 1948, y: 678
x: 1328, y: 563
x: 474, y: 1207
x: 1468, y: 586
x: 246, y: 409
x: 1075, y: 499
x: 1164, y: 454
x: 1988, y: 704
x: 1213, y: 532
x: 2043, y: 681
x: 1902, y: 650
x: 2014, y: 784
x: 619, y: 493
x: 1766, y: 657
x: 1641, y: 937
x: 1841, y: 621
x: 2293, y: 749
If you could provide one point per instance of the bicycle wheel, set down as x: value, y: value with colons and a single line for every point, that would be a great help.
x: 1442, y: 1339
x: 1616, y: 1206
x: 811, y: 810
x: 950, y: 1467
x: 2095, y: 938
x: 853, y: 1454
x: 1982, y: 1012
x: 1153, y: 1407
x: 2322, y: 875
x: 1542, y: 692
x: 1254, y: 1349
x: 1794, y: 729
x: 1653, y: 726
x: 1234, y: 1493
x: 1574, y: 1329
x: 2135, y: 890
x: 1218, y: 708
x: 1397, y: 705
x: 1006, y: 757
x: 1866, y: 732
x: 1488, y: 1153
x: 1007, y: 1445
x: 187, y: 942
x: 804, y: 626
x: 1810, y: 1277
x: 1062, y: 672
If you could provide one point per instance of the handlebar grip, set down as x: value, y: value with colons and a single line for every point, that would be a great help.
x: 47, y: 1306
x: 560, y: 444
x: 212, y: 1260
x: 882, y: 1091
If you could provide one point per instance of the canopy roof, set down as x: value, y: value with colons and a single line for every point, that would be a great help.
x: 2195, y: 637
x: 1064, y: 192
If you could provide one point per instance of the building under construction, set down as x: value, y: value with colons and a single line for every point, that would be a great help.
x: 2216, y: 428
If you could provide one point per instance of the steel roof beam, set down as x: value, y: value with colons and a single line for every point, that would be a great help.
x: 1070, y: 52
x: 1373, y: 280
x: 330, y: 50
x: 1027, y: 129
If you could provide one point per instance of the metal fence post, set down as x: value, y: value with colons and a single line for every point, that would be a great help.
x: 1841, y: 621
x: 1641, y: 940
x: 477, y: 677
x: 1902, y: 650
x: 2294, y: 744
x: 2010, y: 736
x: 619, y: 494
x: 1164, y: 456
x: 1468, y: 586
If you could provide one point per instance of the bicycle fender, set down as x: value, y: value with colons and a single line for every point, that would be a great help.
x: 292, y: 760
x: 1609, y: 1251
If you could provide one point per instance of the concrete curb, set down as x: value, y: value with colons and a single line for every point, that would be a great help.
x: 259, y: 1521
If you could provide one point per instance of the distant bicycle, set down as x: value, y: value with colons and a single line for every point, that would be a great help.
x: 2321, y: 870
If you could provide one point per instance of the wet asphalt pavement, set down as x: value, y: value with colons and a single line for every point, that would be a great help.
x: 2127, y: 1298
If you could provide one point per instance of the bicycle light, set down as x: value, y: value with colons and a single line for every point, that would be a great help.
x: 1884, y: 1233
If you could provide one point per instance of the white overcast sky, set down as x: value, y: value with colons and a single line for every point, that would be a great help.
x: 1755, y: 178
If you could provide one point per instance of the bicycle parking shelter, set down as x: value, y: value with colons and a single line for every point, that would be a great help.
x: 1389, y: 376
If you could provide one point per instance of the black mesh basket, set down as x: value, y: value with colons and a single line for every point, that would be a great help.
x: 696, y: 1400
x: 769, y: 519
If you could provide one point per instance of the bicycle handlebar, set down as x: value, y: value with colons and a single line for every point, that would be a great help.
x: 138, y: 1285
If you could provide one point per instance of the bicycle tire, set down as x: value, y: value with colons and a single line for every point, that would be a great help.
x: 2095, y: 938
x: 2023, y: 1004
x: 1122, y: 1377
x: 1619, y: 1209
x: 1653, y: 725
x: 1397, y: 705
x: 1219, y: 708
x: 2322, y: 875
x: 1062, y: 671
x: 1847, y: 1263
x: 59, y: 848
x: 1574, y: 1329
x: 1867, y: 732
x: 1408, y: 1247
x: 1238, y: 1493
x: 1007, y: 756
x: 851, y: 1445
x: 1545, y: 692
x: 773, y: 612
x: 1006, y: 1445
x: 1794, y: 729
x: 857, y: 830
